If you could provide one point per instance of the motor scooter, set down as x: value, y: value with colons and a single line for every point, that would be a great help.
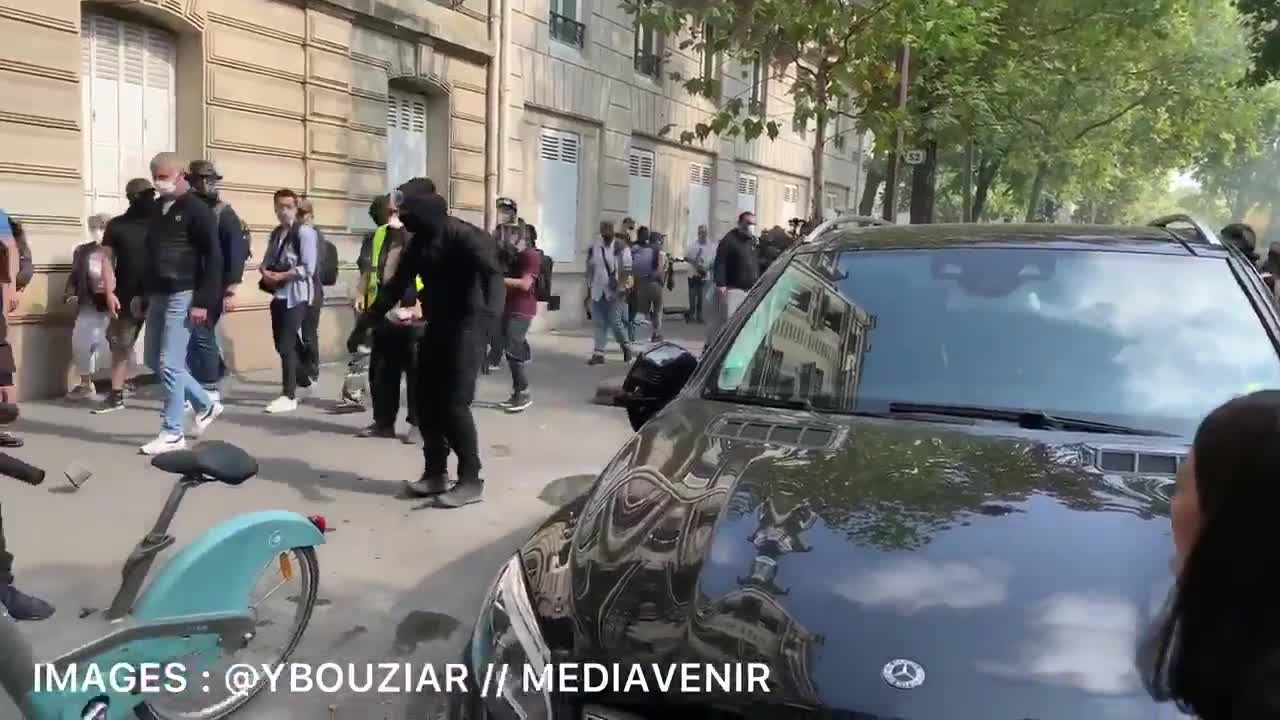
x: 198, y: 610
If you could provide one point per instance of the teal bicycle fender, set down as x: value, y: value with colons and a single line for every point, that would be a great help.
x: 217, y: 571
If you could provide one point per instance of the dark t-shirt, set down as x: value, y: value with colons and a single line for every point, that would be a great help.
x: 126, y: 235
x: 525, y: 302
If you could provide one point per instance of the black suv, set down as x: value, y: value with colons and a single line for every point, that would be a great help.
x: 924, y: 473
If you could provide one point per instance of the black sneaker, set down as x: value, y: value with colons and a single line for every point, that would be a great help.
x: 21, y: 606
x: 518, y: 402
x: 377, y: 431
x: 596, y: 360
x: 112, y: 402
x: 626, y: 355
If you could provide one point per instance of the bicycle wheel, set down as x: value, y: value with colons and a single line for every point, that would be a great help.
x: 297, y: 567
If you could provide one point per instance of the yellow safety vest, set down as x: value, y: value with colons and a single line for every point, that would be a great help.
x: 375, y: 252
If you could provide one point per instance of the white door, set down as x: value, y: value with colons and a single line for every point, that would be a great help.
x: 558, y: 154
x: 128, y: 98
x: 790, y: 204
x: 747, y: 187
x: 406, y: 138
x: 640, y: 172
x: 832, y: 209
x: 699, y: 201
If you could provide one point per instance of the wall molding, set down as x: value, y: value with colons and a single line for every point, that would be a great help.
x: 39, y: 121
x: 257, y: 109
x: 36, y: 19
x: 371, y: 60
x: 45, y: 71
x: 71, y: 221
x: 261, y: 149
x: 256, y: 29
x: 13, y: 168
x: 258, y: 69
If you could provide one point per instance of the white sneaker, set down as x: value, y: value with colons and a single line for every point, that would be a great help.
x: 205, y: 419
x: 215, y: 397
x: 188, y: 408
x: 164, y: 443
x: 282, y: 404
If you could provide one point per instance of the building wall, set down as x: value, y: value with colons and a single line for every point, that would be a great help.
x: 276, y: 94
x: 596, y: 92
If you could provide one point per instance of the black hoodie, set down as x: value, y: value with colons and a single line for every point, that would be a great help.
x: 126, y: 235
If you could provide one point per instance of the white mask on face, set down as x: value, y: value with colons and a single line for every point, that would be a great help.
x: 97, y: 235
x: 286, y: 216
x: 395, y: 222
x: 166, y: 188
x: 751, y: 230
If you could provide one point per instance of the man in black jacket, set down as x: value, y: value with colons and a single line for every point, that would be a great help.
x: 126, y: 240
x: 462, y: 300
x: 183, y: 283
x: 736, y: 268
x: 204, y: 356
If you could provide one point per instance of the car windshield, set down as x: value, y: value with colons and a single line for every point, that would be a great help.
x: 1142, y: 340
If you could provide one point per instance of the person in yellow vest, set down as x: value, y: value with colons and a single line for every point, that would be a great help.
x: 394, y: 344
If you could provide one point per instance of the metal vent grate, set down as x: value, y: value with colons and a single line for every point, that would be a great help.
x: 1127, y: 461
x: 809, y: 436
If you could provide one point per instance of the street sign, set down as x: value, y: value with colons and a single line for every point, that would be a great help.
x: 915, y: 157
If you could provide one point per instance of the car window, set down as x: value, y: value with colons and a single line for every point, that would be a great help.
x: 1154, y: 341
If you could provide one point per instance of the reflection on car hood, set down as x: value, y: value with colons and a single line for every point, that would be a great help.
x: 1016, y: 573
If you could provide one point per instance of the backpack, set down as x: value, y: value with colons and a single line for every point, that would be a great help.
x: 245, y: 233
x: 542, y: 287
x: 328, y: 261
x: 26, y: 268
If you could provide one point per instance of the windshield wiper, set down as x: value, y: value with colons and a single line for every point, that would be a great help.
x: 1030, y: 419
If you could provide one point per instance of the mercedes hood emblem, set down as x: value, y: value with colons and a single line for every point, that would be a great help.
x: 903, y: 674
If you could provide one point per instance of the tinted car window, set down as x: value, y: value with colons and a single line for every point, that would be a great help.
x: 1153, y: 341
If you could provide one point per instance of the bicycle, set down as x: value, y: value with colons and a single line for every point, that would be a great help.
x: 195, y: 611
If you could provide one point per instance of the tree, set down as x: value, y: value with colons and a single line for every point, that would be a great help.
x: 1240, y: 162
x: 1262, y: 18
x: 833, y: 54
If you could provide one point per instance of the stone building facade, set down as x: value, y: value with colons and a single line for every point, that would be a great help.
x: 594, y: 122
x: 342, y: 99
x: 305, y: 95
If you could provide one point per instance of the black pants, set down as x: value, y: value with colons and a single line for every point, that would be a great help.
x: 395, y: 355
x: 697, y: 286
x: 449, y: 360
x: 286, y: 325
x: 204, y: 355
x: 6, y: 560
x: 515, y: 345
x: 310, y: 350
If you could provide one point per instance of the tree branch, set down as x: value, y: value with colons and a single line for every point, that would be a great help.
x: 1110, y: 118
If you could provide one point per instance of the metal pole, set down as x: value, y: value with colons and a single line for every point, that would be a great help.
x: 895, y: 156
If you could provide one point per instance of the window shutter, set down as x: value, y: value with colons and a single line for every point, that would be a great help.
x: 406, y: 137
x: 790, y: 203
x: 640, y: 196
x: 747, y: 193
x: 558, y: 154
x: 699, y: 201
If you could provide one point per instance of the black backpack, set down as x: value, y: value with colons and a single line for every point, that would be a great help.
x: 543, y: 285
x: 244, y: 229
x: 328, y: 261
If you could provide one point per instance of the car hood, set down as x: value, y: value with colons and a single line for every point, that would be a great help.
x: 1019, y: 575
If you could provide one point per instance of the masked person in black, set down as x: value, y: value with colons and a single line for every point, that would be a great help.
x: 126, y: 239
x: 462, y: 300
x: 204, y: 356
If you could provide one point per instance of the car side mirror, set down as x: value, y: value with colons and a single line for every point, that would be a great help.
x: 655, y: 378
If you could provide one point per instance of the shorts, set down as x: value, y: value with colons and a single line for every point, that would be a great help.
x: 122, y: 332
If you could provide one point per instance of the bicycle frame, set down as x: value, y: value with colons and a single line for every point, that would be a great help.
x: 197, y: 605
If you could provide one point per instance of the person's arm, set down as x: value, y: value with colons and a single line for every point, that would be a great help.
x: 717, y: 265
x: 234, y: 249
x: 393, y: 290
x: 308, y: 252
x: 528, y: 273
x: 202, y: 229
x: 482, y: 251
x: 72, y: 288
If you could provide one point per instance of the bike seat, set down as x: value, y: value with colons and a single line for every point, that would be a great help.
x: 210, y: 460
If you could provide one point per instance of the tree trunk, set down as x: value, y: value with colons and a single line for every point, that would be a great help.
x: 875, y: 178
x: 988, y: 168
x: 924, y: 186
x: 1037, y: 189
x: 818, y: 187
x: 968, y: 182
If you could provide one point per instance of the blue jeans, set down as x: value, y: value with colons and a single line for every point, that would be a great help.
x: 204, y: 355
x: 168, y: 338
x: 609, y: 315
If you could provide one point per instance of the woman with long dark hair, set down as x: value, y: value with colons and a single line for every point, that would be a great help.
x: 1216, y: 651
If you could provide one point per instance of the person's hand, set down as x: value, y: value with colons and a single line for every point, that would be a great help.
x: 358, y: 304
x: 722, y: 291
x: 69, y: 299
x: 199, y: 315
x: 113, y: 305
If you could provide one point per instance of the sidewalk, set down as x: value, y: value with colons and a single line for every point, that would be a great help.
x: 398, y: 582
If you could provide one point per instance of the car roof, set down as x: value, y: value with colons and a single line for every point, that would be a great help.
x: 1115, y: 238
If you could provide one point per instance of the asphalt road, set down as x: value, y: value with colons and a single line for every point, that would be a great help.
x: 399, y: 583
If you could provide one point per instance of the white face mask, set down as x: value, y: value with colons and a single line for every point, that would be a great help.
x: 97, y: 235
x: 286, y: 216
x: 395, y: 222
x: 166, y: 188
x: 751, y: 230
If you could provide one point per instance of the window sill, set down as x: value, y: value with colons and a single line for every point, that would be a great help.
x: 562, y: 50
